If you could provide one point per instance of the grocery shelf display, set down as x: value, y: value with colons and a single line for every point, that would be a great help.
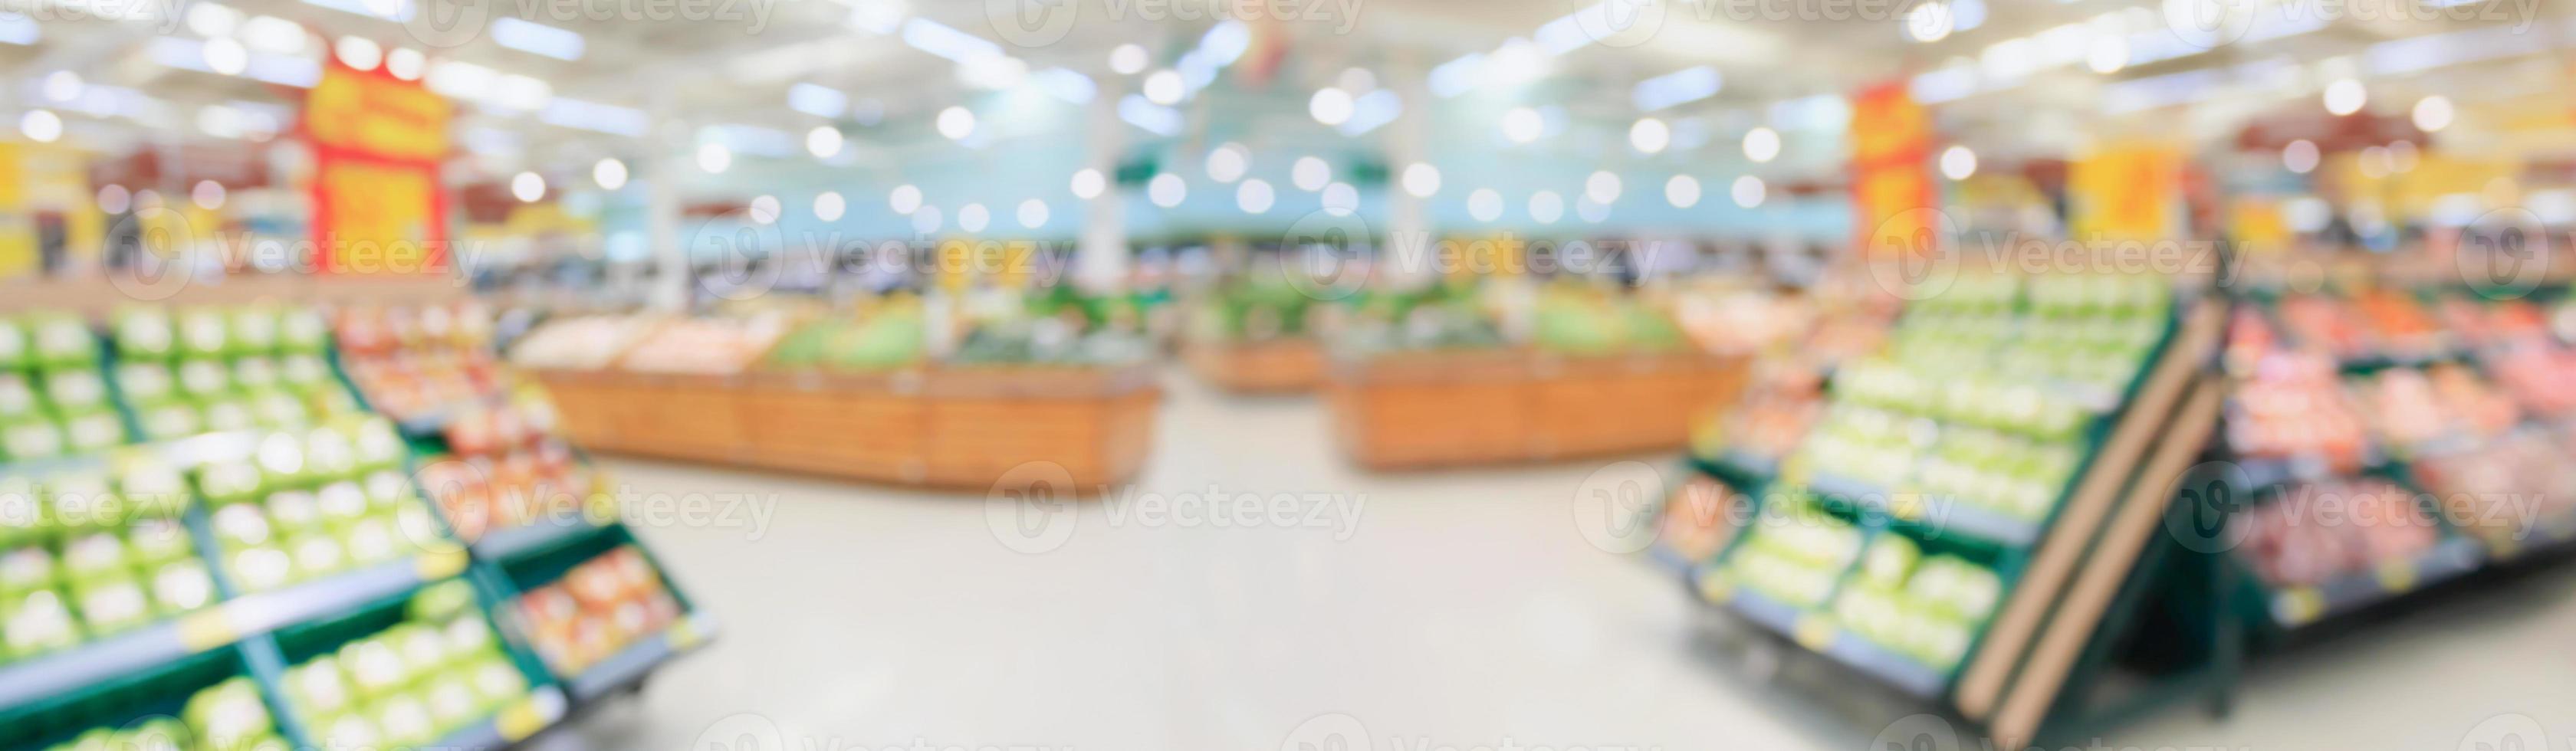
x: 865, y: 397
x: 1956, y: 540
x: 1430, y: 378
x: 2391, y: 438
x: 1257, y: 333
x: 285, y: 583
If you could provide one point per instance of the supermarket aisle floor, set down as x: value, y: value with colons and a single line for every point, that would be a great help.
x: 1462, y: 609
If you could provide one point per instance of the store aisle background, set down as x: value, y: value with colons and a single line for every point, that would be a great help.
x: 1464, y: 609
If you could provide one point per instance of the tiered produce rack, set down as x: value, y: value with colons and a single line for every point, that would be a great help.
x: 2069, y: 580
x: 2461, y: 543
x: 244, y: 638
x: 2140, y: 588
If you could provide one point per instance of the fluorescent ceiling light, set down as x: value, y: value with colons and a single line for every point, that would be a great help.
x: 1678, y: 87
x: 945, y: 41
x: 518, y: 92
x: 1946, y: 84
x: 2440, y: 50
x: 594, y: 116
x: 1456, y: 76
x: 753, y: 139
x: 20, y: 30
x: 819, y: 101
x: 877, y: 16
x: 457, y: 79
x: 391, y: 10
x: 1825, y: 112
x: 1065, y: 84
x: 536, y: 38
x: 1154, y: 118
x: 1226, y: 42
x: 284, y: 70
x: 1371, y: 110
x: 189, y: 54
x: 273, y: 34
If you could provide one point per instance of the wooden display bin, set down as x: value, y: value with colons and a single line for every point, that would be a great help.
x: 952, y: 427
x: 1431, y: 409
x: 1277, y: 366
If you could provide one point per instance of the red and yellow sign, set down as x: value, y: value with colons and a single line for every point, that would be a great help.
x: 1891, y: 174
x: 377, y: 141
x: 2127, y: 191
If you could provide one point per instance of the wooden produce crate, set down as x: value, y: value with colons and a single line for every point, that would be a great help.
x: 1277, y: 366
x: 854, y: 425
x: 1461, y: 408
x: 586, y: 405
x: 958, y: 427
x: 1096, y: 423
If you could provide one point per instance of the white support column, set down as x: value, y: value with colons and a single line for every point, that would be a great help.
x: 1405, y: 247
x: 1101, y: 260
x: 668, y: 159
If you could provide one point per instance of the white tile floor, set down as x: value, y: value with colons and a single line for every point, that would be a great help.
x: 1464, y: 609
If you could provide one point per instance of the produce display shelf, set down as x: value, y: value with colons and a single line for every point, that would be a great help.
x: 2547, y: 538
x: 1743, y: 470
x: 269, y: 611
x: 1669, y: 560
x: 1818, y: 633
x: 125, y: 654
x: 1934, y: 515
x: 242, y: 617
x: 515, y: 723
x: 629, y: 665
x: 533, y: 538
x: 2452, y: 558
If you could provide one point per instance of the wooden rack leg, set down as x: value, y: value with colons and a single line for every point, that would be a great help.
x: 2134, y: 523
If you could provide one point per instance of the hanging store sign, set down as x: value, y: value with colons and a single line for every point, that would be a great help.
x: 377, y: 204
x: 1892, y: 191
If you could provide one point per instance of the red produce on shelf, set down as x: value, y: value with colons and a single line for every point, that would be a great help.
x: 2316, y: 532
